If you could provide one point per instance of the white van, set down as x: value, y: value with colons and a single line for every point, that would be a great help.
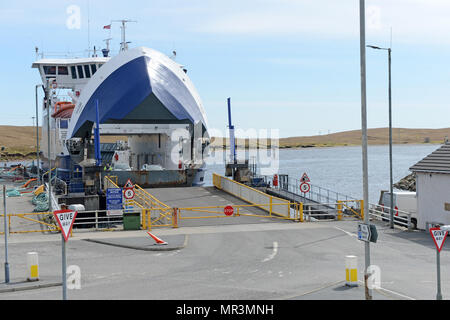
x: 405, y: 201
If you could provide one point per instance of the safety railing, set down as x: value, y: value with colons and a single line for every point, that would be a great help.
x: 333, y: 211
x: 174, y: 216
x: 47, y: 172
x: 97, y: 219
x: 316, y: 193
x: 43, y: 220
x: 382, y: 213
x: 252, y: 196
x: 154, y: 212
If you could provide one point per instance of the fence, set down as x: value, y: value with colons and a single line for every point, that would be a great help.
x: 271, y: 204
x: 382, y: 213
x: 26, y: 222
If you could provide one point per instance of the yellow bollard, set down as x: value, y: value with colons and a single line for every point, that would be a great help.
x: 351, y: 271
x: 32, y: 266
x: 175, y: 218
x: 339, y: 210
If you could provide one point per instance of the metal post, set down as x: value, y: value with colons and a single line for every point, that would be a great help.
x: 391, y: 184
x: 438, y: 263
x: 362, y: 26
x: 64, y: 268
x: 37, y: 137
x: 48, y: 148
x: 5, y: 229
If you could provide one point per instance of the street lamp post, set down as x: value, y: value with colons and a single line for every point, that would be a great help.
x: 37, y: 136
x: 362, y: 47
x: 391, y: 184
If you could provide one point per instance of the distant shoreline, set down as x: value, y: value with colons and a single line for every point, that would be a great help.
x: 19, y: 142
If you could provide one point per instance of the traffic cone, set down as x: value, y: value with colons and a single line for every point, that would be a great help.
x: 158, y: 240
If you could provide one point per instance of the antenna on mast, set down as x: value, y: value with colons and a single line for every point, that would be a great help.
x: 123, y: 44
x: 106, y: 51
x: 88, y: 30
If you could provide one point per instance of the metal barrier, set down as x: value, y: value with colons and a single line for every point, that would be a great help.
x: 153, y: 211
x: 43, y: 219
x: 380, y: 212
x: 334, y: 211
x: 255, y: 197
x: 172, y: 217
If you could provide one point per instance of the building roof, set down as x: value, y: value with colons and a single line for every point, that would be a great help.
x: 436, y: 162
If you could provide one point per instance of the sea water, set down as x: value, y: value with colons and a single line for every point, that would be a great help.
x: 340, y: 168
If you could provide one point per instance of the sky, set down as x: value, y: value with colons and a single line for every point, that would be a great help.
x: 288, y: 65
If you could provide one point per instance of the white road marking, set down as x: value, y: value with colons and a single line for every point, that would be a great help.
x: 348, y: 233
x: 390, y: 291
x: 274, y: 252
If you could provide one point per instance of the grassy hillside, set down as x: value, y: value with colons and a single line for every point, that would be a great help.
x: 20, y: 141
x: 349, y: 138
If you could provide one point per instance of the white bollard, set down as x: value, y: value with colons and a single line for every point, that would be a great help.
x: 351, y: 271
x: 32, y: 266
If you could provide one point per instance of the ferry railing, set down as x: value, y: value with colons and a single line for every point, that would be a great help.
x: 48, y: 172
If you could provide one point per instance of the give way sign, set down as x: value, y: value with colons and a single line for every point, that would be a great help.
x: 65, y: 219
x: 439, y: 237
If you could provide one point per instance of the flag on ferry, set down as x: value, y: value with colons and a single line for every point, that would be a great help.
x: 107, y: 27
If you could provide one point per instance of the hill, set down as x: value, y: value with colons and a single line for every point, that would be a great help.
x: 377, y: 136
x: 20, y: 141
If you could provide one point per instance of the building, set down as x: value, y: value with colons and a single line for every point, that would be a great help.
x: 433, y: 187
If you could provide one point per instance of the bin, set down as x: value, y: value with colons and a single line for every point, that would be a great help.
x: 131, y: 220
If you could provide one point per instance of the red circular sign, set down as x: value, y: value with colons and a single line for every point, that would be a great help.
x: 304, y: 187
x: 228, y: 210
x: 128, y: 193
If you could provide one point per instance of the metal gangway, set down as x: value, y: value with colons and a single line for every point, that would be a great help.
x: 321, y: 203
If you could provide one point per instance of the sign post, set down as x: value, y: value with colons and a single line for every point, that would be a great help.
x: 439, y: 236
x: 128, y: 194
x: 65, y: 219
x: 5, y: 230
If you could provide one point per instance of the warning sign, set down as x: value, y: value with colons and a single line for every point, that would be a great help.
x: 439, y: 236
x: 305, y: 178
x: 65, y: 219
x: 128, y: 185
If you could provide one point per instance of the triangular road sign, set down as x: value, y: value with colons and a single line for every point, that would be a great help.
x: 128, y: 185
x: 65, y: 219
x: 439, y: 237
x: 305, y: 178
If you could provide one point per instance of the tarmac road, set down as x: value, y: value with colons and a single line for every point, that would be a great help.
x: 253, y: 261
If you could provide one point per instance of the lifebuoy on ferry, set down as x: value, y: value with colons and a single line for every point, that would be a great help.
x: 180, y: 165
x: 275, y: 180
x: 396, y: 211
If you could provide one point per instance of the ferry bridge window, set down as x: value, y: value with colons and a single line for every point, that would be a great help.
x: 93, y: 68
x: 100, y: 64
x: 80, y: 72
x: 63, y: 124
x: 50, y: 69
x: 87, y: 72
x: 74, y: 72
x: 63, y: 70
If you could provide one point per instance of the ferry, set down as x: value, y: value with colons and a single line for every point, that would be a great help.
x: 140, y: 95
